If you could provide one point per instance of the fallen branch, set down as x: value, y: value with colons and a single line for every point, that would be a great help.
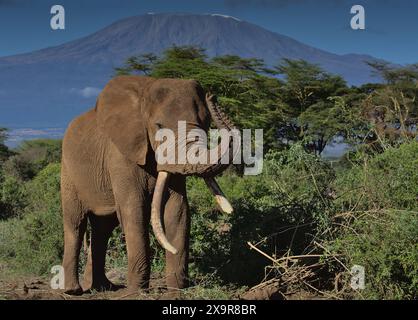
x: 287, y: 276
x: 285, y: 257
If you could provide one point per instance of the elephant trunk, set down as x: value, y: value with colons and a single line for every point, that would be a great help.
x: 223, y: 159
x: 220, y: 119
x: 207, y: 171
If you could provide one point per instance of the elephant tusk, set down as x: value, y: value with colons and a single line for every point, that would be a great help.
x: 220, y: 198
x: 157, y: 214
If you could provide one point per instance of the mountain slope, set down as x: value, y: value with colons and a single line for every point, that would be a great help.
x: 50, y: 86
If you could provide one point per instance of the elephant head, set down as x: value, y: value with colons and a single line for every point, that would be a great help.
x: 130, y: 111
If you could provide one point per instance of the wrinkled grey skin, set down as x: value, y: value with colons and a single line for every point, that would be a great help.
x: 109, y: 174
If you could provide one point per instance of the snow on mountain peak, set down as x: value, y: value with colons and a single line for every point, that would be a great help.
x: 225, y: 16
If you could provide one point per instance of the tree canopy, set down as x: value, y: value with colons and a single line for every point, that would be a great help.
x: 295, y: 101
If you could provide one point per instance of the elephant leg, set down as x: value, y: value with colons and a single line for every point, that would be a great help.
x: 177, y: 228
x: 135, y: 226
x: 94, y: 274
x: 134, y: 217
x: 132, y: 204
x: 75, y: 222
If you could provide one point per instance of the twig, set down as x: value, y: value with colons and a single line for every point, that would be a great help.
x: 261, y: 252
x: 321, y: 292
x: 300, y: 257
x: 283, y: 258
x: 332, y: 255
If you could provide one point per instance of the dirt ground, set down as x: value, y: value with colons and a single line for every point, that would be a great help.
x: 36, y: 288
x: 14, y: 287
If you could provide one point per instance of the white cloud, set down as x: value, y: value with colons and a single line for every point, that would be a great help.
x: 87, y: 92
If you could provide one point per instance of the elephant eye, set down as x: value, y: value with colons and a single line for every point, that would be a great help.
x: 159, y: 125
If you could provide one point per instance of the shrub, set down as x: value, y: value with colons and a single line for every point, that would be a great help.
x: 379, y: 225
x: 34, y: 243
x: 116, y: 254
x: 13, y: 197
x: 43, y: 190
x: 32, y: 156
x: 388, y: 180
x: 282, y: 209
x: 385, y: 243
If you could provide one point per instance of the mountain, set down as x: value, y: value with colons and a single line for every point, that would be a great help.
x: 50, y: 86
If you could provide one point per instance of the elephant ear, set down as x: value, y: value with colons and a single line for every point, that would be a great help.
x: 122, y: 118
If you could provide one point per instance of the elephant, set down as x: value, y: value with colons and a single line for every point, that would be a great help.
x: 110, y: 177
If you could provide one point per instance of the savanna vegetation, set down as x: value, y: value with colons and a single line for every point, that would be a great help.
x: 300, y: 225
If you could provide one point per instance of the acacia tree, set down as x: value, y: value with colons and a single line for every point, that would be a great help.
x: 308, y: 105
x: 247, y: 94
x: 403, y: 76
x: 138, y: 65
x: 314, y: 117
x: 392, y: 109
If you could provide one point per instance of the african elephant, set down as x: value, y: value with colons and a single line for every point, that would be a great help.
x: 110, y: 176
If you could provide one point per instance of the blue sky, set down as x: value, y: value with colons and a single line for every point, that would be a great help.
x: 391, y: 25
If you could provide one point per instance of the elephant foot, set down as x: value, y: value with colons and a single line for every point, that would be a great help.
x: 74, y: 291
x: 138, y: 290
x: 138, y: 285
x: 103, y: 285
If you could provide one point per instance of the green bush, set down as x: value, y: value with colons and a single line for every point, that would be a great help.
x: 31, y: 157
x: 379, y: 224
x: 388, y: 180
x: 282, y: 209
x: 13, y: 197
x: 43, y: 190
x: 385, y: 243
x: 116, y: 254
x: 34, y: 243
